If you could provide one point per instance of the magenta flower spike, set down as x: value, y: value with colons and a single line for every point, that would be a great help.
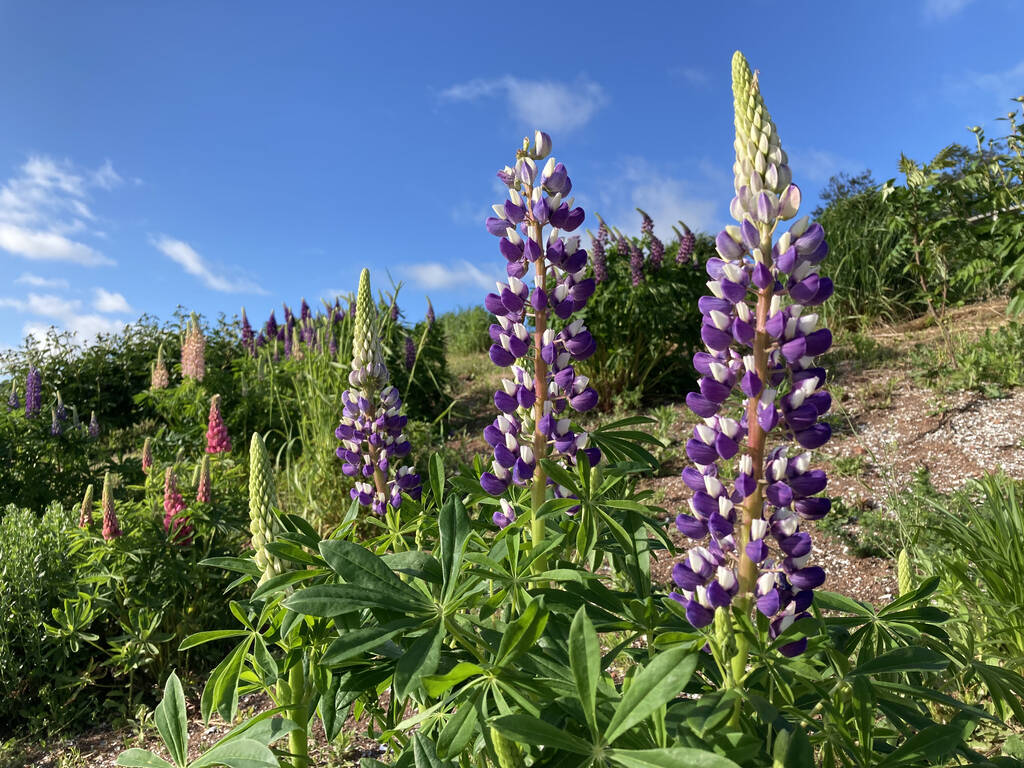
x: 176, y: 523
x: 537, y: 400
x: 217, y: 438
x: 762, y: 337
x: 204, y: 489
x: 111, y: 528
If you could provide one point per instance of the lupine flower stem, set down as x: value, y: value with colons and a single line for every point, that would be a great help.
x: 538, y: 492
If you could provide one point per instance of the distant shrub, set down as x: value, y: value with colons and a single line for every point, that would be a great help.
x: 465, y: 330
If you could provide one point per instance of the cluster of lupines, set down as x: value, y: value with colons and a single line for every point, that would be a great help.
x: 159, y: 378
x: 33, y: 392
x: 655, y: 248
x: 687, y: 242
x: 217, y: 438
x: 175, y: 522
x: 372, y: 441
x: 111, y: 529
x: 767, y: 352
x: 204, y: 488
x: 193, y: 351
x: 537, y: 400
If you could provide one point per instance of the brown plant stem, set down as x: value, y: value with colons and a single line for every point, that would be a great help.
x: 538, y: 492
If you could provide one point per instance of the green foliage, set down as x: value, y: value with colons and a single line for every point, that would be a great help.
x: 465, y: 330
x: 991, y: 364
x: 645, y: 333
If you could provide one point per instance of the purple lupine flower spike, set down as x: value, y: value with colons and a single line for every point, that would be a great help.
x: 597, y: 254
x: 271, y: 326
x: 535, y: 406
x: 248, y: 337
x: 687, y: 241
x: 94, y: 426
x: 755, y: 547
x: 410, y: 352
x: 62, y: 411
x: 393, y: 311
x: 636, y: 262
x: 373, y: 444
x: 12, y: 402
x: 431, y: 317
x: 55, y: 428
x: 656, y: 248
x: 33, y: 392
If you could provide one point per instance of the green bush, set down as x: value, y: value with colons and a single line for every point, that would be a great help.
x: 465, y: 330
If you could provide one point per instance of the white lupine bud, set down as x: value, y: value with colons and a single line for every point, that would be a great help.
x: 516, y: 285
x: 766, y: 583
x: 526, y: 452
x: 513, y: 236
x: 515, y: 197
x: 554, y: 201
x: 802, y: 462
x: 809, y: 386
x: 730, y: 427
x: 795, y: 310
x: 756, y: 184
x: 549, y: 336
x: 800, y: 226
x: 746, y: 464
x: 572, y: 244
x: 499, y: 471
x: 790, y: 330
x: 536, y: 194
x: 758, y: 528
x: 726, y: 578
x: 719, y: 319
x: 499, y: 211
x: 785, y: 240
x: 716, y: 289
x: 779, y: 468
x: 736, y: 208
x: 705, y: 433
x: 713, y: 486
x: 724, y: 506
x: 749, y: 363
x: 760, y: 165
x: 504, y: 342
x: 719, y: 372
x: 561, y: 291
x: 743, y: 312
x: 505, y: 323
x: 796, y: 398
x: 520, y: 331
x: 807, y: 323
x: 702, y: 597
x: 504, y: 424
x: 505, y: 506
x: 509, y: 386
x: 776, y: 304
x: 771, y: 176
x: 789, y: 526
x: 734, y: 232
x: 549, y: 168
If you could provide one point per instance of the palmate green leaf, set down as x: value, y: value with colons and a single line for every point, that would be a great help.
x: 435, y: 685
x: 141, y: 758
x: 424, y: 753
x: 461, y: 726
x: 669, y: 757
x: 453, y: 530
x: 221, y: 690
x: 358, y: 565
x: 238, y: 753
x: 356, y: 641
x: 527, y: 729
x: 523, y: 633
x: 292, y: 552
x: 416, y: 563
x: 904, y: 659
x: 562, y: 476
x: 266, y: 728
x: 331, y: 600
x: 280, y: 581
x: 210, y: 635
x: 436, y: 474
x: 420, y: 660
x: 585, y: 662
x: 171, y: 720
x: 654, y: 686
x: 833, y: 601
x: 935, y: 745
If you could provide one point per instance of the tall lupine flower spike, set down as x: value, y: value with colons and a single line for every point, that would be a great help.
x: 263, y: 523
x: 94, y: 426
x: 204, y: 489
x: 33, y: 392
x: 756, y: 550
x: 655, y: 247
x: 147, y: 455
x: 111, y: 529
x: 85, y: 511
x: 431, y: 317
x: 636, y: 262
x: 687, y: 242
x: 12, y: 402
x: 62, y: 411
x: 393, y: 310
x: 193, y: 351
x: 248, y: 337
x: 597, y: 255
x: 176, y: 523
x: 372, y: 441
x: 159, y: 377
x: 410, y: 352
x: 538, y: 398
x: 217, y: 438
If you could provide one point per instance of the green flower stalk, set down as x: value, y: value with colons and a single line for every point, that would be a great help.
x: 904, y: 575
x: 85, y: 515
x: 263, y: 524
x: 147, y: 455
x: 204, y: 491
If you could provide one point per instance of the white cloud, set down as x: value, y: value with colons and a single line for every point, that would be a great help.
x: 62, y: 312
x: 943, y: 9
x: 693, y: 75
x: 48, y: 246
x: 108, y: 302
x: 432, y: 275
x: 45, y: 212
x: 36, y: 281
x: 667, y: 199
x: 186, y: 256
x: 544, y: 104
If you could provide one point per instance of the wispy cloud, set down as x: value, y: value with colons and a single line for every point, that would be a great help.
x: 108, y: 302
x: 433, y: 275
x: 544, y: 104
x: 1003, y: 84
x: 36, y: 281
x: 819, y: 165
x: 693, y: 75
x: 214, y: 278
x: 59, y: 311
x: 943, y: 9
x: 45, y: 211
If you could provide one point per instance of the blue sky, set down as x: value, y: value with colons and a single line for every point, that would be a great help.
x: 216, y: 155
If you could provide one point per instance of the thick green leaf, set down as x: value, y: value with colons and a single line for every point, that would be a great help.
x: 934, y: 745
x: 438, y: 684
x: 585, y: 662
x: 282, y: 580
x: 266, y: 728
x: 459, y: 729
x: 833, y: 601
x: 172, y: 722
x: 905, y: 659
x: 221, y: 690
x: 265, y: 663
x: 527, y: 729
x: 141, y: 758
x: 356, y: 641
x: 670, y: 757
x: 358, y: 565
x: 238, y: 753
x: 422, y: 565
x: 453, y: 530
x: 424, y: 753
x: 522, y: 633
x: 435, y: 470
x: 331, y: 600
x: 205, y: 637
x: 420, y: 660
x: 293, y: 553
x: 656, y: 684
